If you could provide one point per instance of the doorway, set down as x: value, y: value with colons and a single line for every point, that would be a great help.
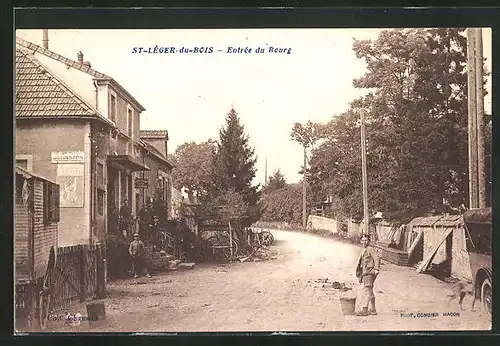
x: 112, y: 208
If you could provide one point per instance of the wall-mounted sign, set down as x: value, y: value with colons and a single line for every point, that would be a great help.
x: 68, y: 157
x: 141, y: 183
x: 71, y: 185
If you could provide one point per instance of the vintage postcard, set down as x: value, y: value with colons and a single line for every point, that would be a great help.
x: 253, y: 180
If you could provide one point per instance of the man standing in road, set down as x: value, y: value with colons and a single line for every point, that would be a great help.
x: 137, y: 251
x: 367, y: 271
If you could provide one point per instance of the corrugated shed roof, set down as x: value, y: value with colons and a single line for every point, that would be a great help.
x: 28, y: 175
x: 71, y: 63
x: 154, y: 134
x: 40, y: 94
x: 438, y: 221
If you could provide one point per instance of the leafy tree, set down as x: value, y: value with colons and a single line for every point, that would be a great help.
x: 193, y: 167
x: 284, y: 204
x: 234, y: 168
x: 416, y: 116
x: 275, y: 182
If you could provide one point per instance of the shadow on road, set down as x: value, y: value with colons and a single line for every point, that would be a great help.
x: 278, y: 242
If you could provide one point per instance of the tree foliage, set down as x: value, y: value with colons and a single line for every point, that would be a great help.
x: 275, y: 182
x: 234, y: 167
x: 416, y: 125
x: 193, y: 167
x: 284, y: 204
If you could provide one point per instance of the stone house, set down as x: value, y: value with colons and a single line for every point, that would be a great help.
x: 80, y: 128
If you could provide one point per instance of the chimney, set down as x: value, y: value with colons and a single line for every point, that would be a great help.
x: 80, y: 57
x: 45, y: 38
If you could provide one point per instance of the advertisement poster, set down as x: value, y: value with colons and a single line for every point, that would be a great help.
x: 71, y: 183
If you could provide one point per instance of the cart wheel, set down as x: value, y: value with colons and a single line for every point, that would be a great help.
x: 267, y: 238
x: 43, y: 308
x: 220, y: 248
x: 486, y: 296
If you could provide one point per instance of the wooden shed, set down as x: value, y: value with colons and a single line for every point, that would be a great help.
x: 443, y: 245
x: 36, y: 225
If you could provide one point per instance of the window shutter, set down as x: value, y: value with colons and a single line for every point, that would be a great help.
x: 55, y: 203
x: 46, y: 202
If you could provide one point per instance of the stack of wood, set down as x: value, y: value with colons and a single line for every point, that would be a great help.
x: 391, y: 255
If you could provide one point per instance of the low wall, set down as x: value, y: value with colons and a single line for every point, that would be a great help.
x: 322, y: 223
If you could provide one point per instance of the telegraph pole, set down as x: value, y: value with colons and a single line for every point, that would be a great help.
x: 364, y: 174
x: 265, y: 174
x: 304, y: 200
x: 472, y: 123
x: 480, y: 119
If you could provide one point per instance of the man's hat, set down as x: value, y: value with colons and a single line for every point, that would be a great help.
x: 136, y: 235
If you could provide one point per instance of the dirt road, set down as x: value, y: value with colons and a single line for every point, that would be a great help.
x: 284, y: 294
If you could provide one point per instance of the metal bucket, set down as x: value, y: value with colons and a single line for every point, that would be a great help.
x: 348, y: 305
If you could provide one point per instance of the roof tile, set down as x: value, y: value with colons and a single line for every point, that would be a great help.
x: 40, y: 94
x: 154, y: 134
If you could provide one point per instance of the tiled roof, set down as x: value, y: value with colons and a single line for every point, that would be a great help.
x: 40, y: 94
x: 71, y: 63
x: 154, y: 134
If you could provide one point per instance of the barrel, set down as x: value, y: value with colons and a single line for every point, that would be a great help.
x: 348, y: 305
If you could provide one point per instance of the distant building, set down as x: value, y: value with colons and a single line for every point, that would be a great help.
x: 159, y: 177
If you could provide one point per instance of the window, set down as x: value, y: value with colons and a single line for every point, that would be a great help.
x: 50, y: 202
x: 100, y: 174
x: 25, y: 161
x: 130, y: 122
x: 100, y: 202
x: 22, y: 164
x: 112, y: 111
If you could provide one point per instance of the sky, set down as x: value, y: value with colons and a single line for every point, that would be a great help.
x: 190, y: 94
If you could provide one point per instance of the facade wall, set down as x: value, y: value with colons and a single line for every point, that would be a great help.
x: 158, y: 169
x: 122, y: 107
x: 159, y: 144
x: 39, y: 139
x: 21, y: 241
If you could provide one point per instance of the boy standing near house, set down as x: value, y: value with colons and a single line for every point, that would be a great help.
x: 367, y: 271
x: 137, y: 251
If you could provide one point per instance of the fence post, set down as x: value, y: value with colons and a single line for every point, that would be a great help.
x: 82, y: 273
x: 100, y: 273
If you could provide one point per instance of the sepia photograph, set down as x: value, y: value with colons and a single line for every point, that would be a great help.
x: 253, y: 180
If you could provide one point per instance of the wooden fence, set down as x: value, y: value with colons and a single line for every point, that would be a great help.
x: 78, y: 275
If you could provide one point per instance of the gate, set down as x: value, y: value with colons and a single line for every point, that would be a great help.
x: 78, y: 275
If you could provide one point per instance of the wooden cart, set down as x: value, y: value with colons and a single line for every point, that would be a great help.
x: 221, y: 244
x: 35, y: 244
